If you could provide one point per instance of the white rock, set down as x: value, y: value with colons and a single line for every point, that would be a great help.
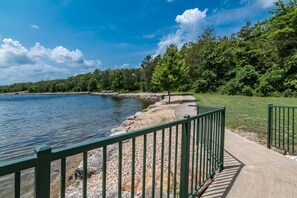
x: 132, y: 117
x: 138, y: 114
x: 119, y: 129
x: 127, y: 123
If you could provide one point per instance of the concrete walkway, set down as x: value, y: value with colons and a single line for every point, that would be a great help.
x: 251, y: 170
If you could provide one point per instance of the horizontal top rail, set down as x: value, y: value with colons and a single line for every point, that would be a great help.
x: 290, y: 107
x: 99, y: 143
x: 17, y: 165
x: 207, y: 113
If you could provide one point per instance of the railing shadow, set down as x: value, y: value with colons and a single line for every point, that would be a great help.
x: 225, y: 180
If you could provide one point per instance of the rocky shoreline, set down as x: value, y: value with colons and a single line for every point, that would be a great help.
x: 142, y: 95
x: 157, y: 113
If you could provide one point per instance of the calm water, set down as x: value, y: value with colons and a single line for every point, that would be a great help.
x: 58, y: 120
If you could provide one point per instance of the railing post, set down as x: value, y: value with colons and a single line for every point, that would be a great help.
x: 222, y: 138
x: 43, y: 171
x: 184, y: 169
x: 269, y: 126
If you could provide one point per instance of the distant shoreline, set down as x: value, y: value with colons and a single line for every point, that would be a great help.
x: 140, y: 95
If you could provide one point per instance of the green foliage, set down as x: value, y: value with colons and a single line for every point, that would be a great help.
x: 271, y: 81
x: 171, y: 71
x: 93, y: 85
x: 260, y: 59
x: 243, y: 83
x: 117, y: 80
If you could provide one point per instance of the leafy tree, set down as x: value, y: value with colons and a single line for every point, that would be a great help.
x: 93, y: 85
x: 105, y: 81
x: 271, y: 81
x: 117, y: 80
x: 171, y: 70
x: 243, y: 83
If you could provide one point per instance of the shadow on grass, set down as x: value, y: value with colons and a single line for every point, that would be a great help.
x: 225, y: 180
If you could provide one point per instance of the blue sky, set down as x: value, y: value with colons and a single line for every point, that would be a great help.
x: 49, y: 39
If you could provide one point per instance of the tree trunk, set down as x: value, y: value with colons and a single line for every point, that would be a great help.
x: 169, y: 95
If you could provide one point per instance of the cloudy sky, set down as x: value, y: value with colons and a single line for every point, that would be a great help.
x: 49, y: 39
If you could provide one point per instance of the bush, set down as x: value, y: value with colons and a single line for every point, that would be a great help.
x: 290, y: 93
x: 242, y: 83
x: 247, y: 91
x: 271, y: 81
x: 231, y: 88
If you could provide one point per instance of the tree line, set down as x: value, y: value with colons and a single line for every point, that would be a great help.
x: 260, y: 59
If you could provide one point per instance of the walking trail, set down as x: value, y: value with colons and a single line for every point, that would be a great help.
x: 250, y: 170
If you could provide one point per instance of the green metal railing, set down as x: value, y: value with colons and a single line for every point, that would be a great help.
x: 175, y: 159
x: 282, y: 128
x: 203, y: 109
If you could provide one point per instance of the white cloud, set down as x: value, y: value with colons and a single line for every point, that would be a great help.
x: 265, y: 3
x: 13, y: 53
x: 125, y: 65
x: 33, y: 26
x: 18, y: 63
x: 190, y: 23
x: 29, y: 73
x: 62, y: 55
x: 39, y: 51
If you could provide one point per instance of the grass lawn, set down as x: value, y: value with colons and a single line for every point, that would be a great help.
x: 244, y: 113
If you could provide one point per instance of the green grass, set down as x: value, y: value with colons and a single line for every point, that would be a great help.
x: 248, y: 114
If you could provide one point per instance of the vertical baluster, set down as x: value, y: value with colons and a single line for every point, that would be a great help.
x: 275, y: 112
x: 144, y: 165
x: 185, y: 150
x: 207, y: 148
x: 120, y: 169
x: 213, y: 142
x: 175, y: 161
x: 217, y: 140
x: 293, y: 130
x: 162, y: 164
x: 169, y: 162
x: 154, y: 165
x: 284, y: 128
x: 204, y: 147
x: 223, y: 114
x: 210, y: 145
x: 17, y: 184
x: 133, y: 168
x: 288, y: 136
x: 269, y: 126
x: 197, y: 153
x: 279, y: 124
x: 200, y: 123
x: 104, y: 172
x: 219, y: 136
x: 63, y: 177
x: 193, y: 155
x: 85, y: 172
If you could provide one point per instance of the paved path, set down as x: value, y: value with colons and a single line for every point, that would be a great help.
x: 251, y: 170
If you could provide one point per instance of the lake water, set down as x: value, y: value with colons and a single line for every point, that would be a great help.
x: 27, y: 121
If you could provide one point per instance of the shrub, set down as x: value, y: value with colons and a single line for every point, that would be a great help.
x: 271, y: 81
x: 247, y: 91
